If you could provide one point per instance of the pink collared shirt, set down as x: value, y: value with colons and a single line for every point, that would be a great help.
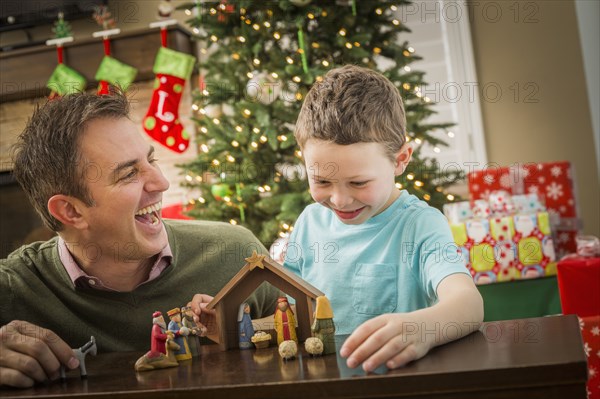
x: 82, y: 280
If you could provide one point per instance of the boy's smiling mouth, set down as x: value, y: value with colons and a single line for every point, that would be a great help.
x: 346, y: 215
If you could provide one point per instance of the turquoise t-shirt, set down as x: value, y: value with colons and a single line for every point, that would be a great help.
x: 392, y: 263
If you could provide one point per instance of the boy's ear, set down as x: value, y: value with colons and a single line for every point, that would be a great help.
x: 403, y: 157
x: 66, y: 209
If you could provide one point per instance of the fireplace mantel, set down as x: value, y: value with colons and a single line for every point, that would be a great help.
x: 24, y: 72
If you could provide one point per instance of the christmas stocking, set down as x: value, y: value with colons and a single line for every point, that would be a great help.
x: 172, y: 69
x: 64, y: 80
x: 114, y: 72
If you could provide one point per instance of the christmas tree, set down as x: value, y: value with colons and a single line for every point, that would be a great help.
x: 259, y: 59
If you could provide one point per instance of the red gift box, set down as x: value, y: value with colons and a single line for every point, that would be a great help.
x: 579, y: 286
x: 590, y: 332
x: 552, y: 182
x: 175, y: 212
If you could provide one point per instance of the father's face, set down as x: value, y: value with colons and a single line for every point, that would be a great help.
x: 126, y: 185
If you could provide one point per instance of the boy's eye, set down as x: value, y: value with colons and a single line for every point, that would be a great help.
x: 359, y: 183
x: 321, y: 182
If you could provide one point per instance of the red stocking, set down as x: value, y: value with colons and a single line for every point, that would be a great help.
x: 162, y: 122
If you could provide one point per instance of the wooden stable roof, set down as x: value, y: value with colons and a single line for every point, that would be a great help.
x: 265, y: 263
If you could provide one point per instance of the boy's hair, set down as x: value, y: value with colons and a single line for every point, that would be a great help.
x: 353, y: 105
x: 47, y: 155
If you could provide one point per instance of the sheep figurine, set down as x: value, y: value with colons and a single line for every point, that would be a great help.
x: 288, y: 349
x: 314, y: 346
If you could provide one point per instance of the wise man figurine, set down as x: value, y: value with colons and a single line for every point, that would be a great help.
x: 181, y: 334
x: 195, y: 331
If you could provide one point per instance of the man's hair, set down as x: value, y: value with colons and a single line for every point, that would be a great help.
x: 47, y: 155
x: 353, y: 105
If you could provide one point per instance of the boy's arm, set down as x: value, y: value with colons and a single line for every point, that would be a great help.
x: 395, y: 339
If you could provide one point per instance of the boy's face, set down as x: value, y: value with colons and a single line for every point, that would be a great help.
x: 124, y: 181
x: 355, y: 181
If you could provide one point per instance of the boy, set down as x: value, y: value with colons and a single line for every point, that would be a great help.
x: 385, y: 259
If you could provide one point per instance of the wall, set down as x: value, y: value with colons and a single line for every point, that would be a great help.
x: 588, y: 16
x: 535, y: 45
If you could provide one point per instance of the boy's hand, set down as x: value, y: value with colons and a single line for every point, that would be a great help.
x: 393, y: 339
x: 30, y: 354
x: 399, y: 338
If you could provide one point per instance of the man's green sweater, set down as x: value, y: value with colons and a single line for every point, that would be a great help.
x: 35, y: 287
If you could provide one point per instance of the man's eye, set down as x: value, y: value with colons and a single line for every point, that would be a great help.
x: 153, y: 160
x: 130, y: 175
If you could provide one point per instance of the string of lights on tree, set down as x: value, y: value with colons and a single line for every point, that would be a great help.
x: 258, y: 60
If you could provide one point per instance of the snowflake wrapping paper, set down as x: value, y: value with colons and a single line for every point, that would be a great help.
x: 551, y: 181
x: 506, y: 248
x: 590, y: 332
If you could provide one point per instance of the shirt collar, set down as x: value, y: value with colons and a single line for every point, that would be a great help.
x: 81, y: 279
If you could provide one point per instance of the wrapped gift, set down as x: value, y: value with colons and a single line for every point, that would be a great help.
x: 579, y: 285
x: 552, y: 182
x: 590, y: 332
x: 579, y: 279
x: 501, y: 245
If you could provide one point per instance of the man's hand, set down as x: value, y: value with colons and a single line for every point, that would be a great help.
x: 30, y: 354
x: 203, y: 317
x: 393, y: 339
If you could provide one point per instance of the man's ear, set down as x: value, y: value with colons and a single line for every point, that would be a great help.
x: 66, y: 209
x: 402, y: 158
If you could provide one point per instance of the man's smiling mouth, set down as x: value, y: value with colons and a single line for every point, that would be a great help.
x: 150, y: 214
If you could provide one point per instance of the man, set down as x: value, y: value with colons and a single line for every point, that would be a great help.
x: 94, y: 181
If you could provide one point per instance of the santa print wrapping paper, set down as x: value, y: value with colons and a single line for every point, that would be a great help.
x: 506, y: 248
x: 590, y: 332
x: 551, y: 181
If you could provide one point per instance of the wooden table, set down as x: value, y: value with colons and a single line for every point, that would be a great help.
x: 527, y: 358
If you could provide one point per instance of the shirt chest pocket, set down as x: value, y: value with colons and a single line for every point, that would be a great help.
x: 375, y: 288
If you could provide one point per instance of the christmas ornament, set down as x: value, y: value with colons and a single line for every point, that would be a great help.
x: 165, y: 9
x: 213, y: 111
x: 278, y: 249
x: 61, y: 27
x: 172, y: 69
x: 104, y: 18
x: 226, y: 10
x: 220, y: 191
x: 263, y: 88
